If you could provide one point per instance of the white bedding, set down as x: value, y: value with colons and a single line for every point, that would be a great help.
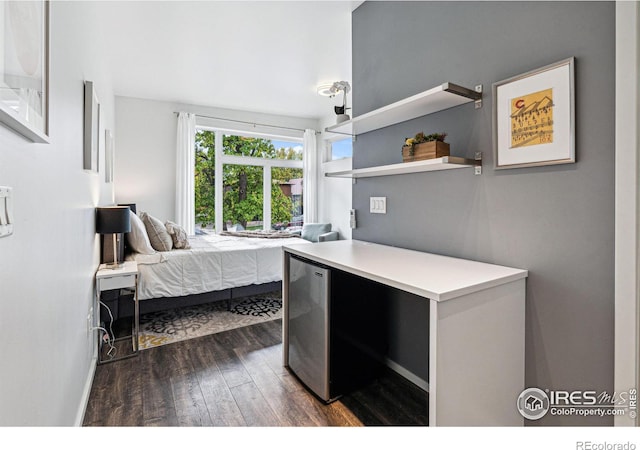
x: 213, y: 263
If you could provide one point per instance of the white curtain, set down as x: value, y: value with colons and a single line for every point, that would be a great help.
x: 310, y: 177
x: 185, y: 161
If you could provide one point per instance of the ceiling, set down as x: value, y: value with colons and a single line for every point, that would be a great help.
x: 260, y: 56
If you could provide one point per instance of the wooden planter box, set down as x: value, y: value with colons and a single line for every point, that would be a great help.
x: 426, y: 150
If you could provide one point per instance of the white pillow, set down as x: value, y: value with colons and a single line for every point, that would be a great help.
x: 178, y: 234
x: 138, y: 238
x: 158, y: 235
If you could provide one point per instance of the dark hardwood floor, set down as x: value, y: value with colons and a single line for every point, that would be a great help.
x: 236, y: 378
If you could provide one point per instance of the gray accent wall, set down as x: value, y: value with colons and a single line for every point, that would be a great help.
x: 555, y: 221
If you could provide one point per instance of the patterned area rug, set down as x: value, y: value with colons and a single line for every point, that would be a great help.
x: 165, y: 327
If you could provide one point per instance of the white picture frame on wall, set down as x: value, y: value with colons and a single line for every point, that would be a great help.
x: 24, y: 68
x: 108, y: 156
x: 534, y: 117
x: 91, y: 128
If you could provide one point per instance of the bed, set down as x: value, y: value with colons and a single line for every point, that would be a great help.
x: 213, y: 263
x: 215, y: 267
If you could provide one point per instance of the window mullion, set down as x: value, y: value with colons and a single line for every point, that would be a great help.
x: 251, y: 161
x: 218, y: 181
x: 266, y: 197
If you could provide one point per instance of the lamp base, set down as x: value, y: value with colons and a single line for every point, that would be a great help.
x: 115, y: 264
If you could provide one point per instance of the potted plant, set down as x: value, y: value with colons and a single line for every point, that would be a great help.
x: 423, y: 146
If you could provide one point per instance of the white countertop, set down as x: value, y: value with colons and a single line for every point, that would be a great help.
x: 436, y: 277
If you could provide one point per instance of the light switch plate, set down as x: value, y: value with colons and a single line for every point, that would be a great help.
x: 6, y: 211
x: 378, y: 205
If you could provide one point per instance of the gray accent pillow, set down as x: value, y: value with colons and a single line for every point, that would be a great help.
x: 137, y: 238
x: 178, y: 234
x: 158, y: 235
x: 311, y: 231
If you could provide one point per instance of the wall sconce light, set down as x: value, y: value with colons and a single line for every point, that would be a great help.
x: 330, y: 90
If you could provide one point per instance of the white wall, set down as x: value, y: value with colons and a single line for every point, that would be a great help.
x: 47, y: 265
x: 145, y: 149
x: 627, y: 210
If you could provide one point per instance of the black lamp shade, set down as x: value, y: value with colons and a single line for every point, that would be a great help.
x: 113, y: 219
x: 132, y: 206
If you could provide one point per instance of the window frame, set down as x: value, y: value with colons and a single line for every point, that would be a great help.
x: 328, y: 156
x: 266, y: 163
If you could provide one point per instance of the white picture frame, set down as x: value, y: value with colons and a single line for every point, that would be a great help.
x: 108, y: 156
x: 91, y: 128
x: 534, y: 117
x: 24, y: 68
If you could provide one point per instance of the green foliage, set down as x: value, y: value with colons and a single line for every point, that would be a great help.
x: 243, y: 188
x: 204, y: 178
x: 242, y: 199
x: 283, y: 207
x: 420, y: 138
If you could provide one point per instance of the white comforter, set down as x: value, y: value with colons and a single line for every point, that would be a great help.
x: 213, y: 263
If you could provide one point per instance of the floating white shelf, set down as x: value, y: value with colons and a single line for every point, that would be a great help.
x: 436, y: 99
x: 428, y: 165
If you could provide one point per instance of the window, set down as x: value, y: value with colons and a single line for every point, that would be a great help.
x: 342, y: 148
x: 257, y: 183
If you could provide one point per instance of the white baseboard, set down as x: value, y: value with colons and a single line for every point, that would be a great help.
x: 391, y: 364
x: 415, y: 379
x: 84, y: 400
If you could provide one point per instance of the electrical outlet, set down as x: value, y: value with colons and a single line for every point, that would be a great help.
x: 90, y: 321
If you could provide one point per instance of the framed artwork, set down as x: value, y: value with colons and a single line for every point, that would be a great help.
x: 24, y: 68
x: 108, y: 156
x: 91, y: 127
x: 534, y: 118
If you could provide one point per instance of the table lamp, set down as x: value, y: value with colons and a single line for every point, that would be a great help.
x: 113, y: 220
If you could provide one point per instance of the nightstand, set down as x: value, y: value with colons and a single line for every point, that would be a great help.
x: 125, y: 277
